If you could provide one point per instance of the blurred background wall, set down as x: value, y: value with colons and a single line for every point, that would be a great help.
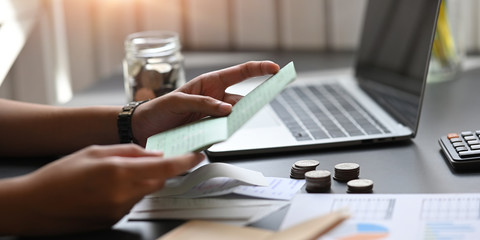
x: 60, y: 47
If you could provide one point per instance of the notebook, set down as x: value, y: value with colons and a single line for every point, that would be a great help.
x: 379, y: 102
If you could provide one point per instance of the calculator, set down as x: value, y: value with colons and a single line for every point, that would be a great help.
x: 462, y: 150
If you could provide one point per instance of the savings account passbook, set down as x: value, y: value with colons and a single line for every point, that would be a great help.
x: 201, y: 134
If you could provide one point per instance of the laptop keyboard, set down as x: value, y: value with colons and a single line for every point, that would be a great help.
x: 322, y: 112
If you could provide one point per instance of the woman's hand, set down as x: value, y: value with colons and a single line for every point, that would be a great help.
x: 90, y: 189
x: 203, y: 96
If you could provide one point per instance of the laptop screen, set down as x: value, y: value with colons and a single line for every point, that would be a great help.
x: 393, y: 56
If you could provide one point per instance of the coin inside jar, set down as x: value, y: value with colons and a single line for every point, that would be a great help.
x: 153, y: 64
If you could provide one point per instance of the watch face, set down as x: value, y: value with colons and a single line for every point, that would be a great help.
x: 131, y: 106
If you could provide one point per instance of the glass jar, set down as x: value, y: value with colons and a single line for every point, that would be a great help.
x: 153, y: 64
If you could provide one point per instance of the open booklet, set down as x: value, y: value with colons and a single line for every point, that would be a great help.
x: 202, y: 134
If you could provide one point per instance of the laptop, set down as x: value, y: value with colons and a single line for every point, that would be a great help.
x: 379, y: 102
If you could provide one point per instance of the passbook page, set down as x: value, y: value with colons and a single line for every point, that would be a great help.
x: 200, y: 135
x: 189, y: 138
x: 259, y: 97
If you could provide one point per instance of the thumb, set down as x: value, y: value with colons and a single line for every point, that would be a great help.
x: 187, y: 103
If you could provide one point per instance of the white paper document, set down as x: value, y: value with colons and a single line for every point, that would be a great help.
x: 190, y: 196
x: 154, y: 204
x: 393, y: 216
x: 277, y: 188
x: 183, y: 184
x: 216, y: 179
x: 231, y: 211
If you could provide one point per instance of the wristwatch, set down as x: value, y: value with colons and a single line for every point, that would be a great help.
x: 124, y: 121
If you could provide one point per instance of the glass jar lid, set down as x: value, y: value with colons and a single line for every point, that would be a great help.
x: 152, y: 44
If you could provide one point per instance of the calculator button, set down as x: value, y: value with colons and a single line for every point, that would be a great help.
x: 477, y: 132
x: 469, y: 153
x: 461, y: 149
x: 467, y: 133
x: 473, y: 142
x: 458, y: 144
x: 455, y: 140
x: 475, y: 147
x: 453, y: 135
x: 470, y: 138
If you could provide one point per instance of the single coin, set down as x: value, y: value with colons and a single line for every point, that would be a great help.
x: 298, y: 176
x: 307, y: 163
x: 318, y: 190
x: 294, y: 168
x: 360, y: 183
x: 360, y: 186
x: 347, y: 166
x: 344, y: 179
x: 317, y: 174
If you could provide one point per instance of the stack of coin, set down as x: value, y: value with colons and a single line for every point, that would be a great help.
x: 345, y: 172
x: 301, y: 167
x: 360, y: 186
x: 318, y: 181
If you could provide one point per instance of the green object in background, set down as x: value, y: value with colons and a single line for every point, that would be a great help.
x: 202, y: 134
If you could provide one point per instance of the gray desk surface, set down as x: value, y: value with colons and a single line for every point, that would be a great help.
x: 415, y: 166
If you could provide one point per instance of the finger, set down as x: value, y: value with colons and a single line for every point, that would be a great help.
x: 188, y: 103
x: 122, y: 150
x: 145, y: 168
x: 238, y: 73
x: 149, y: 175
x: 147, y: 186
x: 177, y: 165
x: 232, y: 98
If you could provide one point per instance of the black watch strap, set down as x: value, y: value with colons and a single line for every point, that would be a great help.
x: 124, y: 121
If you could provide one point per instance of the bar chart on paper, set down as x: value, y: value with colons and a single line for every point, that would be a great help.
x: 459, y: 208
x: 367, y: 215
x: 368, y: 209
x: 451, y: 218
x: 389, y: 216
